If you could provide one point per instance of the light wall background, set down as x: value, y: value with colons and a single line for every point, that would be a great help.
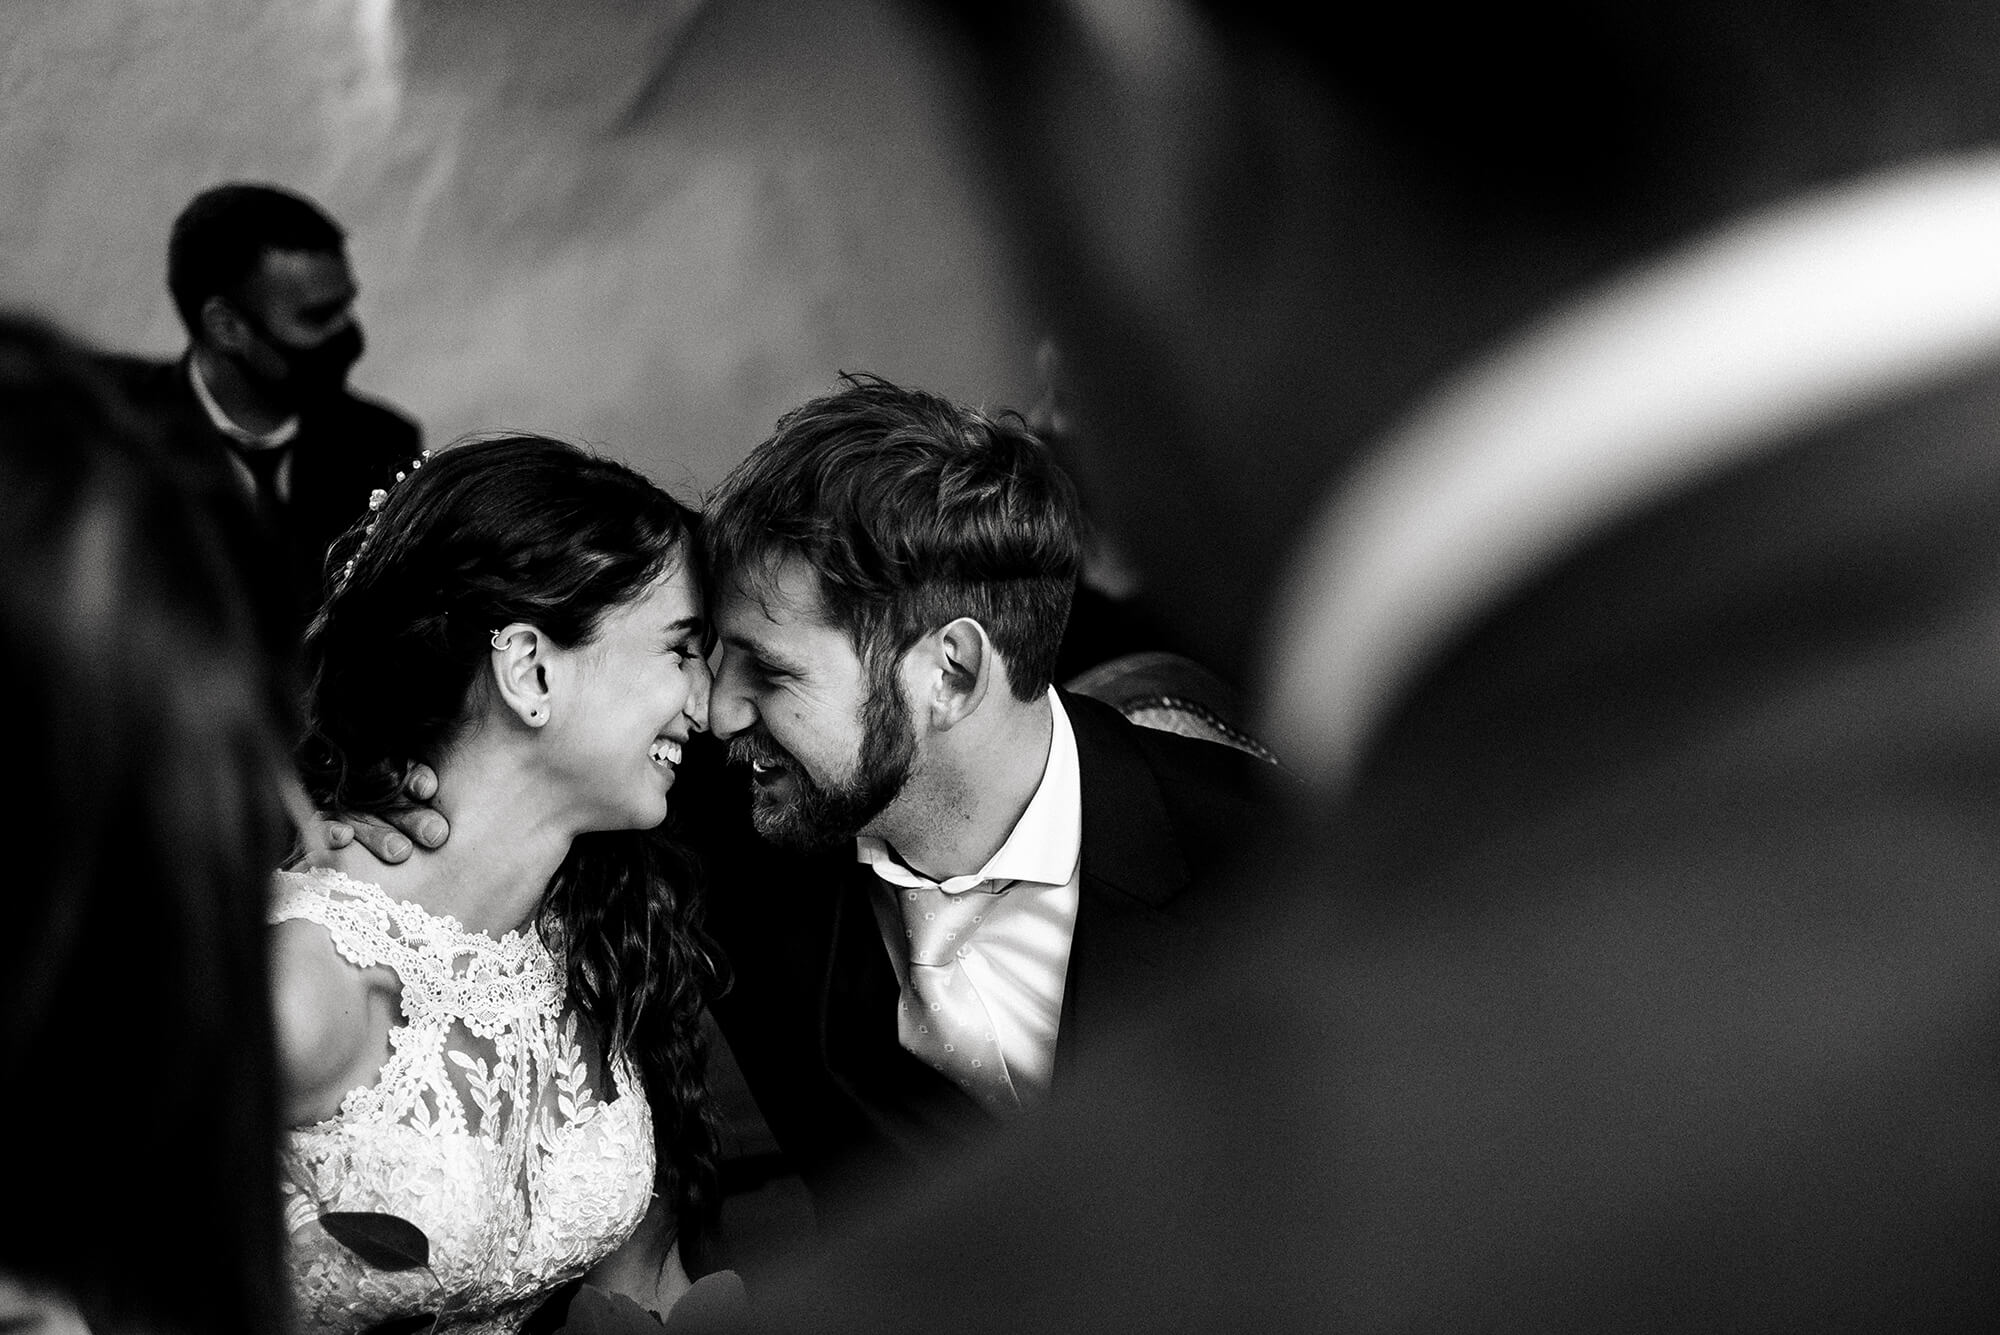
x: 651, y: 225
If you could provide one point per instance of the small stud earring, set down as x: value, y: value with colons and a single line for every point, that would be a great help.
x: 535, y: 714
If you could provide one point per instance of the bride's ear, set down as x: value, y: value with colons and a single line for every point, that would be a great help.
x: 520, y: 676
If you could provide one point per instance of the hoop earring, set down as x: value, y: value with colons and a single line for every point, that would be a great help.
x: 499, y: 643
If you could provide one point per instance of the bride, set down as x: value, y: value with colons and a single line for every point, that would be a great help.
x: 498, y: 1042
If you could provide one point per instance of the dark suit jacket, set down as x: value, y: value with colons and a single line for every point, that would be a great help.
x: 812, y: 1016
x: 346, y: 447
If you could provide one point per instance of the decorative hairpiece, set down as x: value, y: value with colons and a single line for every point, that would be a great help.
x: 376, y: 500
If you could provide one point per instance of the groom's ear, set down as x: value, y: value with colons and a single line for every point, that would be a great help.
x: 520, y: 672
x: 957, y: 667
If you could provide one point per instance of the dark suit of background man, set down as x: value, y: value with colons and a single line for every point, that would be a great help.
x: 259, y: 401
x: 979, y: 859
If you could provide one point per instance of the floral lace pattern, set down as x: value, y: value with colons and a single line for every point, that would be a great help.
x: 485, y: 1128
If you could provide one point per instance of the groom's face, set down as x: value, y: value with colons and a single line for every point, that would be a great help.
x: 829, y: 744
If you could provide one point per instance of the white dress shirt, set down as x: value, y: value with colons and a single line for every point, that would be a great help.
x: 277, y: 437
x: 1018, y: 956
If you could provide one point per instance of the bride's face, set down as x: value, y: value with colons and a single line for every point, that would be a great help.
x: 634, y: 694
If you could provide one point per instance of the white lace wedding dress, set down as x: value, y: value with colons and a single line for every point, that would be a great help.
x: 485, y: 1129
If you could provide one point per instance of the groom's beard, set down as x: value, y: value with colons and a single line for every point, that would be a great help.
x: 791, y: 808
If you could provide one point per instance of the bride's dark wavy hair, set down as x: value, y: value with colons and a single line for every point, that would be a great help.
x: 490, y: 531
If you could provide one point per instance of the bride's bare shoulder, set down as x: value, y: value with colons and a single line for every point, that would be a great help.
x: 326, y: 1011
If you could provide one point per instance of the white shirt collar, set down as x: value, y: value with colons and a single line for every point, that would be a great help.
x: 1789, y: 319
x: 1045, y: 843
x: 281, y: 434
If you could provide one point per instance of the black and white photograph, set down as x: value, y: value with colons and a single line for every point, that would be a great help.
x: 777, y: 667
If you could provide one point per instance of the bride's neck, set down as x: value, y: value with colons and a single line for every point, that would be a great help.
x: 507, y: 839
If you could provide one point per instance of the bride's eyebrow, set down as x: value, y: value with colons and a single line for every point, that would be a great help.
x: 687, y: 631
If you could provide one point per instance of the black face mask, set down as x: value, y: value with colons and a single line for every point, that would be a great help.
x: 321, y: 369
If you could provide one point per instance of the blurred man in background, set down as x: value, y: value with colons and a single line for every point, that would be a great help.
x: 260, y: 278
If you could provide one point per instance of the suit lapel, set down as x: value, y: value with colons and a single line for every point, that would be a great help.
x: 1133, y: 867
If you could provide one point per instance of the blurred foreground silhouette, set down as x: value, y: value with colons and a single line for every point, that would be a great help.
x: 1591, y: 410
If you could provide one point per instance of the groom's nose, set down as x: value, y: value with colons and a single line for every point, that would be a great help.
x: 699, y: 691
x: 730, y: 710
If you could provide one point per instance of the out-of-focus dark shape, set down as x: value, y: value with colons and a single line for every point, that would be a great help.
x: 135, y: 1044
x: 1633, y: 372
x: 259, y: 400
x: 1110, y: 616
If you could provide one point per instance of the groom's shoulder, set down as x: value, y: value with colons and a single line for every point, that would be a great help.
x: 1194, y: 775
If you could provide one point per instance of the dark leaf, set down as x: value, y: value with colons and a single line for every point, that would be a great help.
x: 405, y: 1325
x: 716, y: 1305
x: 382, y: 1240
x: 593, y: 1311
x: 548, y: 1316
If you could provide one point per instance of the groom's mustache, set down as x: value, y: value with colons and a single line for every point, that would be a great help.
x: 756, y: 747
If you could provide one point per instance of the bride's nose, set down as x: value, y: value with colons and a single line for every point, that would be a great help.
x: 696, y: 707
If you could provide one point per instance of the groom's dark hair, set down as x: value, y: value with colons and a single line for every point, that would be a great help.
x: 913, y: 510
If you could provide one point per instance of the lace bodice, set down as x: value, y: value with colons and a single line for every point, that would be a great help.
x: 486, y: 1128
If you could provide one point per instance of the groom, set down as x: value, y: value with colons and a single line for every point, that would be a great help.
x: 957, y: 868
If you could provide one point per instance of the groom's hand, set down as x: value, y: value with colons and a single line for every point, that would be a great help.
x: 394, y: 840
